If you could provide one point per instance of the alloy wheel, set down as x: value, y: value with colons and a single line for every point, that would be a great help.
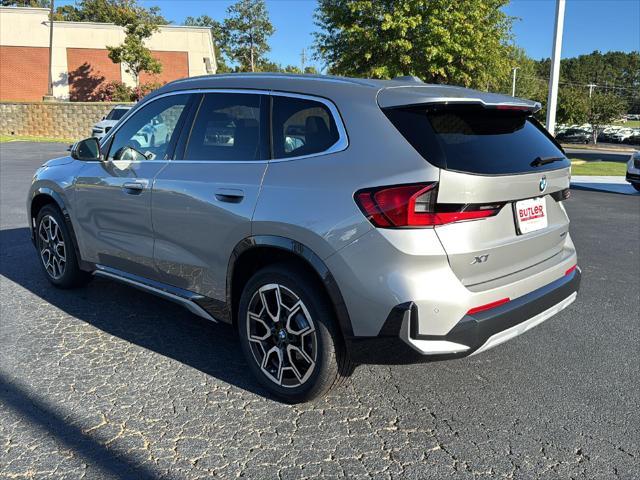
x: 53, y: 250
x: 282, y: 335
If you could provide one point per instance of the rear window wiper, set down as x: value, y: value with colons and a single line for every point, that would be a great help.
x: 545, y: 160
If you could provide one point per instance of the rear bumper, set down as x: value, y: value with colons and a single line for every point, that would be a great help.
x: 400, y: 342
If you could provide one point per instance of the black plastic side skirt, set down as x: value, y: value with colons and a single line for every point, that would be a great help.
x: 188, y: 299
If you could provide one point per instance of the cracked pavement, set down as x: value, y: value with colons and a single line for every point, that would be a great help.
x: 110, y: 382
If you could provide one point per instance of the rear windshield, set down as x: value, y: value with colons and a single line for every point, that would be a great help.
x: 117, y: 113
x: 478, y: 140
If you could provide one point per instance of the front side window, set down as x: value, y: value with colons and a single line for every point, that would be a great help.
x: 301, y: 127
x: 149, y: 132
x: 116, y: 114
x: 229, y: 127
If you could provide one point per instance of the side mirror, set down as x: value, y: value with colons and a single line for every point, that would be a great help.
x: 87, y: 150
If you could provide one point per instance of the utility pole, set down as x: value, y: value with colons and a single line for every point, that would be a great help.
x: 552, y: 101
x: 50, y: 87
x: 591, y: 87
x: 303, y: 58
x: 513, y: 88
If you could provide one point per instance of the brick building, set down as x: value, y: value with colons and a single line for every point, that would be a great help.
x: 80, y: 57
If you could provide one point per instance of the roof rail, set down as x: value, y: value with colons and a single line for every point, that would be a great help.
x: 408, y: 78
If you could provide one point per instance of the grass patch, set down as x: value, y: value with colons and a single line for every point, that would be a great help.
x: 580, y: 167
x: 22, y: 138
x: 630, y: 124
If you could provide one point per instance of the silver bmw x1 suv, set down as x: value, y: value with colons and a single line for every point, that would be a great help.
x: 332, y: 221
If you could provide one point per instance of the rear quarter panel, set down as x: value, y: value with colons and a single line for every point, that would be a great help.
x: 310, y: 200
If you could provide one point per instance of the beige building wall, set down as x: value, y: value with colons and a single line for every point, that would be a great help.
x: 29, y: 27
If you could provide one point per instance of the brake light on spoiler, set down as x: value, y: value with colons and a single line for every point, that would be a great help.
x: 414, y: 206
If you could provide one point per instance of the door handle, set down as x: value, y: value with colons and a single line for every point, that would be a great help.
x: 229, y: 195
x: 134, y: 188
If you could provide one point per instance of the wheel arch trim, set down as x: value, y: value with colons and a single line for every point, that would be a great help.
x: 309, y: 257
x: 59, y: 201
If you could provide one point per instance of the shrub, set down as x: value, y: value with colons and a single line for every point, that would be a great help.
x: 116, y: 91
x: 144, y: 89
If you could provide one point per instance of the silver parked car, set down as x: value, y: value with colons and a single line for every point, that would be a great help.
x: 100, y: 129
x: 332, y: 221
x: 633, y: 170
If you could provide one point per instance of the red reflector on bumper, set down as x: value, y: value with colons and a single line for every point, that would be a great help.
x: 571, y: 270
x: 488, y: 306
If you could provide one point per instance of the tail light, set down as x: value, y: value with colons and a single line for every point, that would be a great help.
x: 415, y: 205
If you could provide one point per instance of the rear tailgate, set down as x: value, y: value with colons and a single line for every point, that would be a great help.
x: 494, y: 247
x: 492, y: 156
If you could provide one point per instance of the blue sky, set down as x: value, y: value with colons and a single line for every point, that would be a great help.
x: 589, y: 24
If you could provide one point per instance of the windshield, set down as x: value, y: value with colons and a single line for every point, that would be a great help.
x: 116, y: 113
x: 478, y: 140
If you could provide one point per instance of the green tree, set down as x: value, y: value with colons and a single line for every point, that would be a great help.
x: 133, y: 53
x: 248, y: 28
x: 613, y: 72
x: 573, y: 105
x: 603, y: 108
x: 439, y: 41
x: 292, y: 69
x: 108, y: 11
x: 219, y: 36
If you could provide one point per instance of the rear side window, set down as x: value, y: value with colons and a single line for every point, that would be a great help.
x: 301, y: 127
x: 229, y: 126
x: 477, y: 140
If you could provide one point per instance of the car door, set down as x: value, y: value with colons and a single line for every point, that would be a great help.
x: 204, y: 199
x: 113, y: 196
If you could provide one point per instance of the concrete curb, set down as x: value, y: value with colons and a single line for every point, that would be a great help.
x: 608, y: 184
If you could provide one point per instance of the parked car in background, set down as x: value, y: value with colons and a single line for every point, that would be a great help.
x: 332, y: 221
x: 574, y: 135
x: 622, y: 134
x: 633, y: 170
x: 101, y: 128
x: 633, y: 139
x: 607, y: 135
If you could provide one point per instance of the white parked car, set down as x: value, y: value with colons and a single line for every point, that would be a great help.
x: 622, y: 134
x: 101, y: 128
x: 633, y: 170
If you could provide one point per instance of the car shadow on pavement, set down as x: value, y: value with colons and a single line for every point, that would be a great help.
x: 38, y: 411
x: 134, y: 316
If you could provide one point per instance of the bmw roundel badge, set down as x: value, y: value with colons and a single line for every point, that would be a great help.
x: 543, y: 183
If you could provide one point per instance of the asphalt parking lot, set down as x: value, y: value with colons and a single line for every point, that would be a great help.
x: 110, y: 382
x: 601, y: 155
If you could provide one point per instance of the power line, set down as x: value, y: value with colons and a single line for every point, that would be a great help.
x: 635, y: 91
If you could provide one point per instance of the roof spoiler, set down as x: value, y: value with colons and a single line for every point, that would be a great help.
x: 414, y: 93
x: 514, y: 106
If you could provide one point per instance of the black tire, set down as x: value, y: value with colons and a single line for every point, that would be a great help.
x: 70, y: 275
x: 331, y: 358
x: 636, y: 186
